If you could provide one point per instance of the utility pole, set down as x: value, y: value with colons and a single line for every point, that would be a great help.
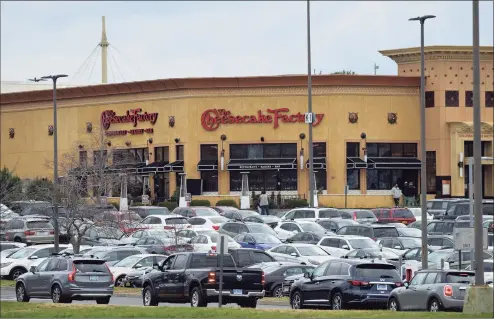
x: 310, y: 111
x: 104, y: 51
x: 424, y: 234
x: 478, y: 222
x: 375, y: 67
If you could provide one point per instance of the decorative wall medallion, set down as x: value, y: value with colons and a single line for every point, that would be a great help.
x: 392, y: 118
x: 128, y: 143
x: 353, y: 117
x: 11, y: 132
x: 171, y: 121
x: 89, y: 127
x: 50, y: 130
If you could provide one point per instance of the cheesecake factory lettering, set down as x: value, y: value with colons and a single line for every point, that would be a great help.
x: 130, y: 132
x: 212, y: 119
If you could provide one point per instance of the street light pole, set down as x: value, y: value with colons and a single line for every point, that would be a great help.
x: 55, y: 158
x: 310, y: 110
x: 424, y: 237
x: 478, y: 223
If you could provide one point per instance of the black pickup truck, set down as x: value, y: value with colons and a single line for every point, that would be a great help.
x: 194, y: 278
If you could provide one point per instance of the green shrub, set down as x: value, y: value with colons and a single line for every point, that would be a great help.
x: 137, y: 204
x: 200, y: 202
x: 170, y: 205
x: 227, y: 202
x: 295, y: 203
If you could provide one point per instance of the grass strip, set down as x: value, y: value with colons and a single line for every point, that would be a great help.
x: 7, y: 283
x: 49, y: 310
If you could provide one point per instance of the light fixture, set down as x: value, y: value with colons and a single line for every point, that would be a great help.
x: 262, y: 139
x: 302, y: 136
x: 177, y: 140
x: 223, y: 137
x: 128, y: 143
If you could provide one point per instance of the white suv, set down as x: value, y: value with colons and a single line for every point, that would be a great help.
x: 20, y: 261
x: 338, y: 246
x: 166, y: 222
x: 311, y: 213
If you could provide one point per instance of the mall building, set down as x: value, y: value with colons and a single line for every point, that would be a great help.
x: 213, y: 129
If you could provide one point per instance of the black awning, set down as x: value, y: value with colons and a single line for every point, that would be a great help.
x: 177, y: 166
x: 208, y: 165
x: 155, y: 167
x: 261, y: 164
x: 130, y: 168
x: 394, y: 162
x: 356, y: 163
x: 318, y: 163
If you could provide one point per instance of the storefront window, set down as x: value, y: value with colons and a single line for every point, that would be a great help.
x: 288, y: 150
x: 210, y: 181
x: 209, y: 152
x: 161, y: 154
x: 431, y: 172
x: 100, y: 158
x: 321, y: 180
x: 83, y: 158
x: 353, y: 179
x: 391, y: 150
x: 266, y: 180
x: 179, y: 152
x: 288, y: 180
x: 384, y: 150
x: 385, y: 179
x: 271, y: 150
x: 352, y: 149
x: 255, y: 151
x: 320, y: 149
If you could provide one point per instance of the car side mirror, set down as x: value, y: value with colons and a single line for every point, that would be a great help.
x: 397, y: 247
x: 345, y: 247
x: 137, y: 266
x: 406, y: 284
x: 33, y: 257
x: 294, y: 255
x: 32, y: 269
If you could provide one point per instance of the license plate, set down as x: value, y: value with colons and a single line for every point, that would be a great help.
x: 286, y: 288
x: 41, y: 233
x: 93, y: 278
x: 381, y: 287
x: 237, y: 291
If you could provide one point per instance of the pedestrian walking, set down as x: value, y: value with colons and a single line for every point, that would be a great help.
x: 405, y: 192
x: 396, y: 193
x: 413, y: 192
x: 263, y: 199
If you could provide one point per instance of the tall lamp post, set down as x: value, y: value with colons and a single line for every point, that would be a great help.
x: 55, y: 201
x: 424, y: 238
x: 310, y: 111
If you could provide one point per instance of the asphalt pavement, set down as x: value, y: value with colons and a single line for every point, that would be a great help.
x: 8, y: 294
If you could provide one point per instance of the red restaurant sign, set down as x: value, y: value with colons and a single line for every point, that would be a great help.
x: 212, y: 118
x: 133, y: 116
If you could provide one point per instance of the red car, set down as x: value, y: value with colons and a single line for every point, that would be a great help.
x: 126, y: 221
x: 394, y: 215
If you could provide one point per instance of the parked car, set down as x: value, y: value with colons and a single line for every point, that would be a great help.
x: 417, y: 213
x: 42, y: 209
x: 394, y: 215
x: 134, y: 262
x: 373, y: 253
x: 438, y: 207
x: 257, y: 241
x: 19, y: 206
x: 163, y: 245
x: 207, y: 222
x: 127, y: 221
x: 306, y: 253
x: 197, y: 282
x: 304, y: 238
x: 239, y: 215
x: 7, y: 252
x: 145, y: 211
x: 191, y: 233
x: 276, y: 272
x: 10, y: 244
x: 138, y: 234
x: 294, y: 227
x: 488, y: 270
x: 234, y: 228
x: 409, y: 232
x: 269, y: 220
x: 312, y: 214
x: 29, y: 230
x: 440, y: 241
x: 440, y: 227
x: 195, y: 211
x: 135, y: 277
x: 287, y: 283
x: 338, y: 246
x: 245, y: 257
x: 341, y: 284
x: 399, y: 245
x: 63, y: 279
x: 461, y: 208
x: 70, y: 250
x: 451, y: 256
x: 432, y: 290
x: 99, y: 236
x: 167, y: 222
x: 206, y: 243
x: 372, y: 231
x: 20, y: 261
x: 362, y: 216
x: 222, y: 209
x: 335, y: 224
x: 414, y: 254
x: 112, y: 255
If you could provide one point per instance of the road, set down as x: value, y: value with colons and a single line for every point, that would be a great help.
x: 8, y: 294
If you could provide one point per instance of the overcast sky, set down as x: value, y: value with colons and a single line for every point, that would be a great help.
x: 153, y: 40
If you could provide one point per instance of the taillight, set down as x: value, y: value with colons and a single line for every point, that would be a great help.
x: 448, y: 291
x: 72, y: 274
x: 262, y: 278
x: 111, y: 275
x: 216, y: 227
x: 29, y: 233
x: 211, y: 277
x: 170, y: 248
x: 214, y: 248
x: 52, y: 232
x: 358, y: 283
x: 398, y: 284
x: 354, y: 216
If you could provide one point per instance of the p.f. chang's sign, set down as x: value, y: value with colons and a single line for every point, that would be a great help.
x: 133, y: 116
x: 212, y: 119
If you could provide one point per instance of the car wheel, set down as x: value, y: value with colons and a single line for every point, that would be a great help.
x: 21, y: 294
x: 149, y: 299
x: 296, y: 300
x: 56, y: 294
x: 337, y: 301
x: 103, y: 301
x: 393, y: 305
x: 277, y: 292
x: 16, y: 272
x: 119, y: 282
x: 433, y: 306
x: 197, y: 299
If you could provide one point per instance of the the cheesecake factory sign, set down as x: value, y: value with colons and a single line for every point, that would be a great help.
x: 212, y: 119
x: 133, y: 116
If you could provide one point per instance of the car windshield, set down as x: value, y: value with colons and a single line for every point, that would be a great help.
x: 410, y: 242
x: 177, y: 221
x: 205, y: 212
x: 266, y: 239
x: 262, y: 228
x: 461, y: 278
x: 487, y: 209
x: 410, y: 232
x: 247, y: 213
x: 218, y: 219
x: 23, y: 253
x: 403, y: 213
x: 39, y: 224
x: 90, y: 266
x: 311, y: 251
x: 386, y: 232
x: 365, y: 214
x: 214, y: 239
x: 329, y: 213
x: 437, y: 256
x: 312, y: 227
x: 358, y: 243
x: 371, y: 271
x: 488, y: 266
x: 128, y: 262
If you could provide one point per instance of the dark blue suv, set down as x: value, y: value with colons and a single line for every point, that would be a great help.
x: 345, y: 283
